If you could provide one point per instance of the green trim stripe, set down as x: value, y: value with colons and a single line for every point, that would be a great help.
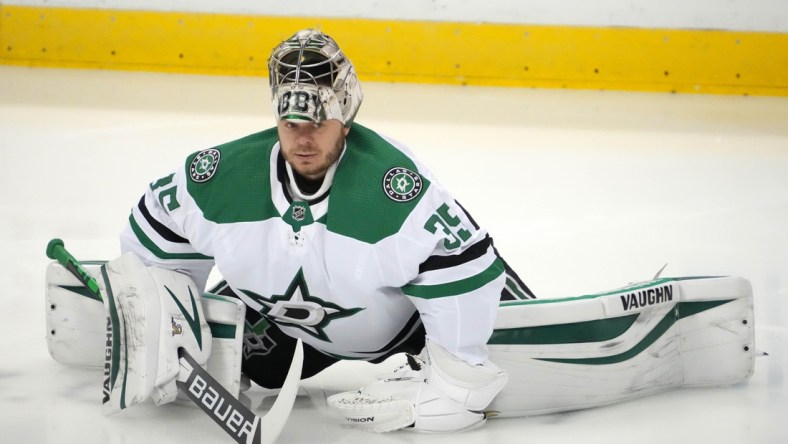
x: 682, y: 310
x: 218, y: 329
x: 194, y: 322
x: 346, y: 358
x: 572, y: 333
x: 512, y: 286
x: 650, y: 338
x: 222, y: 331
x: 81, y: 290
x: 654, y: 283
x: 158, y: 252
x: 216, y: 297
x: 115, y: 359
x: 92, y: 262
x: 457, y: 287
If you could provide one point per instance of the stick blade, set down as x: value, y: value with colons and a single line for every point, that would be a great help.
x: 273, y: 422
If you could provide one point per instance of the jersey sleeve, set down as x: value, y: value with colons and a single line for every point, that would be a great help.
x: 158, y: 230
x: 458, y: 285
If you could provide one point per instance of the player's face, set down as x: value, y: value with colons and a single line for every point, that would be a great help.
x: 310, y: 148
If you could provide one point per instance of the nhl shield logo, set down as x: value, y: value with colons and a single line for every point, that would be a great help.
x: 299, y: 213
x: 204, y: 165
x: 401, y: 184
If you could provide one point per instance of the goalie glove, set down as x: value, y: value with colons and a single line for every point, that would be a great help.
x: 151, y: 313
x: 435, y: 392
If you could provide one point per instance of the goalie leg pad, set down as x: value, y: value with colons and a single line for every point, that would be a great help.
x: 225, y: 316
x: 77, y: 326
x: 76, y: 320
x: 152, y: 312
x: 575, y: 353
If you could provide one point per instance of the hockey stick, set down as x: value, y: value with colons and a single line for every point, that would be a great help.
x: 235, y: 418
x: 232, y: 416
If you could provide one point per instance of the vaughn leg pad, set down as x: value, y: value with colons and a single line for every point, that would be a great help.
x: 77, y: 326
x: 76, y: 321
x: 574, y: 353
x: 154, y: 313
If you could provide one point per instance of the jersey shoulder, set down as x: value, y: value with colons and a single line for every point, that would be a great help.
x: 376, y: 187
x: 230, y: 182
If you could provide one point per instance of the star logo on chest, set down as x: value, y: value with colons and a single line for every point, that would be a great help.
x: 298, y: 308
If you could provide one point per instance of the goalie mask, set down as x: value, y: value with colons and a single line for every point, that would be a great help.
x: 311, y: 79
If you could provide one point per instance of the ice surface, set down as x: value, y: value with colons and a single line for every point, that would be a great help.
x: 583, y: 191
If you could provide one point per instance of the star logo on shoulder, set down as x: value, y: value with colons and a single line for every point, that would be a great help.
x: 401, y: 184
x: 204, y: 165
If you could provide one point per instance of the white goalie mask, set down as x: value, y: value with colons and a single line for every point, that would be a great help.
x: 311, y: 79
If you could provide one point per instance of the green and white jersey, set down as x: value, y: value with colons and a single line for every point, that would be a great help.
x: 352, y: 272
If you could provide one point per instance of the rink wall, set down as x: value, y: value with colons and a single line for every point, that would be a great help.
x: 709, y: 46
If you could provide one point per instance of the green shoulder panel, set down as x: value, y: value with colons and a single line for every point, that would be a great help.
x: 375, y: 188
x: 230, y: 182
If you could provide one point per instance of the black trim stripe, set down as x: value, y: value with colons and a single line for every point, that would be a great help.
x: 507, y: 295
x: 467, y: 214
x: 438, y: 262
x: 223, y: 288
x: 281, y: 176
x: 157, y: 226
x: 475, y: 251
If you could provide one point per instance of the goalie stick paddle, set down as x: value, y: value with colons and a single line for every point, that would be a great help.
x: 229, y: 413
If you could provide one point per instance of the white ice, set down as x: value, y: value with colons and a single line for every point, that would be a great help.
x: 583, y: 191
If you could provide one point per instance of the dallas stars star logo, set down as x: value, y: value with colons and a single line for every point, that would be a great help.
x: 297, y: 307
x: 204, y: 165
x: 401, y: 184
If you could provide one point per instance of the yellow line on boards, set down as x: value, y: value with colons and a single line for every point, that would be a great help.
x: 518, y: 55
